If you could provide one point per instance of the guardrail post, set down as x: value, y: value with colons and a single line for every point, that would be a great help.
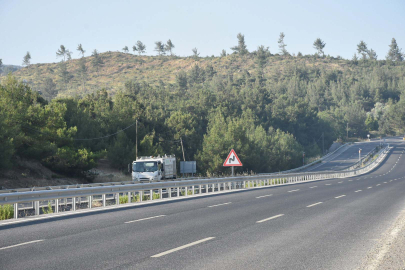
x: 90, y: 201
x: 140, y: 196
x: 186, y: 191
x: 15, y: 210
x: 36, y: 203
x: 56, y: 205
x: 178, y: 191
x: 74, y: 204
x: 151, y: 194
x: 160, y: 193
x: 169, y: 192
x: 117, y: 200
x: 206, y: 188
x: 129, y: 196
x: 192, y: 190
x: 199, y: 189
x: 103, y: 198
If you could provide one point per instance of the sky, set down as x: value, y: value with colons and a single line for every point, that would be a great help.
x: 41, y: 26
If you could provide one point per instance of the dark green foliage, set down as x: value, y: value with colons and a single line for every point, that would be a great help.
x: 49, y: 89
x: 160, y: 48
x: 140, y: 47
x: 125, y: 49
x: 61, y: 52
x: 97, y: 61
x: 282, y: 45
x: 33, y: 129
x: 395, y: 53
x: 319, y: 45
x: 80, y: 49
x: 27, y: 59
x: 241, y: 48
x: 362, y: 49
x: 195, y: 53
x: 169, y: 46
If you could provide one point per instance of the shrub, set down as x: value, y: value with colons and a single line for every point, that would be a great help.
x: 6, y: 211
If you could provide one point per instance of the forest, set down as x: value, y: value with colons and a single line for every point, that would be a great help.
x: 270, y: 108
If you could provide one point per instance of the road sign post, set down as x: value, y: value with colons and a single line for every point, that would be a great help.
x: 232, y: 161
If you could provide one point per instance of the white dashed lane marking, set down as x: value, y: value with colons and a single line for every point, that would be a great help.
x: 314, y: 204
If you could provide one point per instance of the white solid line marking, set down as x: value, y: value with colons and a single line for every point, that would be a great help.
x: 328, y: 184
x: 369, y: 187
x: 220, y: 204
x: 378, y: 185
x: 350, y: 180
x: 293, y: 190
x: 358, y: 190
x: 22, y: 244
x: 342, y: 182
x: 314, y: 204
x: 264, y: 196
x: 144, y: 219
x: 385, y: 182
x: 266, y: 219
x: 314, y: 187
x: 340, y: 196
x: 182, y: 247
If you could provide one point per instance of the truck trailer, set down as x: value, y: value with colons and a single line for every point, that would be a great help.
x: 149, y: 169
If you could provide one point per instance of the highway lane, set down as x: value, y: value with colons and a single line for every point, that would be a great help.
x: 331, y: 234
x: 347, y: 156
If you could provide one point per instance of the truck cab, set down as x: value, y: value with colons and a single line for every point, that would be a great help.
x: 150, y: 169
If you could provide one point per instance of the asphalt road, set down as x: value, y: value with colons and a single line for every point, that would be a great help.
x: 319, y: 225
x: 347, y: 156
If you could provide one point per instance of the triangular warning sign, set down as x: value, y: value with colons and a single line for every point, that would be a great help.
x: 232, y: 160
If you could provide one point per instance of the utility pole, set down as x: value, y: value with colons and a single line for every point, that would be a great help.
x: 182, y: 149
x: 347, y: 130
x: 136, y: 140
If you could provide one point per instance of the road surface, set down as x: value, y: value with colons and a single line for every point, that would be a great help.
x: 329, y: 224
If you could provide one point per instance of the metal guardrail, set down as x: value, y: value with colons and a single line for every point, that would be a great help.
x: 78, y: 198
x: 131, y: 182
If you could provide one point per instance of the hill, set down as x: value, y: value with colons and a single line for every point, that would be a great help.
x: 271, y: 109
x: 118, y: 68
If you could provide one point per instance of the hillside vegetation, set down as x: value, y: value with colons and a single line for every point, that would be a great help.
x: 269, y: 108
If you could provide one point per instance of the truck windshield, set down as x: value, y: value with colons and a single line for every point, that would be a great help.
x: 147, y: 166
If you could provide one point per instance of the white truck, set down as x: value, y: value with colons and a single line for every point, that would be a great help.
x: 150, y: 169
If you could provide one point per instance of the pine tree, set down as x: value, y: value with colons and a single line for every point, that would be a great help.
x: 395, y: 54
x: 319, y: 45
x: 61, y: 52
x: 282, y: 45
x: 80, y: 49
x: 140, y: 47
x: 223, y: 53
x: 362, y: 49
x: 134, y: 48
x: 372, y: 54
x: 69, y: 55
x: 160, y: 48
x: 97, y: 60
x: 27, y: 59
x: 261, y: 56
x: 125, y: 49
x: 169, y: 46
x: 195, y: 53
x: 241, y: 48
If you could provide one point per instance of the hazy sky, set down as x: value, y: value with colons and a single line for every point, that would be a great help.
x: 40, y: 27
